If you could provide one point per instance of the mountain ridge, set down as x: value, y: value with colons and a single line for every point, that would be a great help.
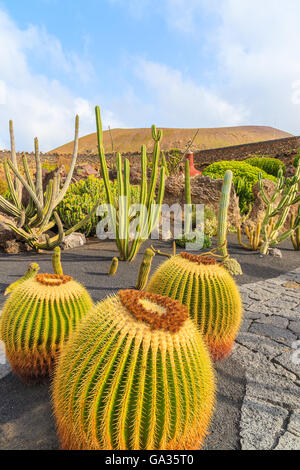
x: 130, y: 140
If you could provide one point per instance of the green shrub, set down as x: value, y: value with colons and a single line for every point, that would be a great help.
x: 245, y: 177
x: 48, y: 166
x: 80, y: 199
x: 207, y: 243
x: 297, y: 158
x: 173, y: 159
x: 3, y: 187
x: 269, y: 165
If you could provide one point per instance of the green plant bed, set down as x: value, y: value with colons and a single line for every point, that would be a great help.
x: 80, y: 199
x: 267, y: 164
x: 245, y: 177
x: 181, y: 242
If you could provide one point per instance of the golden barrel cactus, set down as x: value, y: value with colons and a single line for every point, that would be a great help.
x: 37, y: 319
x: 209, y: 292
x: 136, y: 376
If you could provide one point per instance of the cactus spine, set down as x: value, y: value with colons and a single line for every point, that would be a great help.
x: 145, y: 269
x: 40, y: 215
x: 31, y: 272
x: 37, y: 319
x: 136, y: 376
x: 210, y: 294
x: 149, y: 214
x: 113, y: 267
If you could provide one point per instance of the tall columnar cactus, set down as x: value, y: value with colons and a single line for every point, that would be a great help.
x: 136, y: 376
x: 188, y: 197
x: 145, y: 269
x: 40, y: 215
x: 286, y: 194
x: 37, y: 319
x: 210, y: 294
x: 150, y: 208
x: 223, y: 213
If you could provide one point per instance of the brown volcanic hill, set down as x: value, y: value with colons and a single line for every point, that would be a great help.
x: 130, y: 140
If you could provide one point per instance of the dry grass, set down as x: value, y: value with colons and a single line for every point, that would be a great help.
x: 130, y: 140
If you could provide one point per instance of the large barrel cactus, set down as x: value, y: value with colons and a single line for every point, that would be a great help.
x: 210, y: 294
x: 37, y: 319
x: 136, y: 376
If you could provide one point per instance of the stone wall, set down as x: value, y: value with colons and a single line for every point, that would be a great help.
x: 284, y: 149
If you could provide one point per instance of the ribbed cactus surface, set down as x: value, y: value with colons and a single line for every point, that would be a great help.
x: 136, y: 376
x: 210, y: 294
x: 37, y: 319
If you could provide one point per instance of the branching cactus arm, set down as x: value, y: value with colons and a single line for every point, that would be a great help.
x: 286, y: 193
x: 66, y: 185
x: 39, y: 173
x: 17, y: 184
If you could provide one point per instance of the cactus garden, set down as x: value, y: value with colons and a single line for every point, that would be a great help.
x: 149, y: 229
x: 133, y: 332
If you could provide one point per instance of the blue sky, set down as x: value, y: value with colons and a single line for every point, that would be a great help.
x: 176, y: 63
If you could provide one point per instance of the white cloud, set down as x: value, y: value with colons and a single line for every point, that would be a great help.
x: 182, y: 102
x: 39, y: 106
x: 256, y: 44
x: 258, y: 50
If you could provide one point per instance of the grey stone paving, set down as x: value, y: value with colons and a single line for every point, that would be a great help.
x: 268, y: 347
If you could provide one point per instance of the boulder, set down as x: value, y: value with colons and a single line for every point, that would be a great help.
x: 12, y: 247
x: 73, y: 240
x: 204, y: 190
x: 5, y: 233
x: 85, y: 170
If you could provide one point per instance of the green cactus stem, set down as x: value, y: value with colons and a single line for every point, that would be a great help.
x: 278, y: 206
x: 148, y: 220
x: 32, y: 270
x: 113, y: 267
x: 223, y: 213
x: 56, y: 261
x: 188, y: 197
x: 145, y: 269
x: 295, y: 237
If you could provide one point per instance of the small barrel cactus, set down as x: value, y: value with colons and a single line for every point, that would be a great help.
x: 37, y: 319
x: 136, y: 376
x: 144, y: 269
x: 210, y: 294
x: 113, y: 267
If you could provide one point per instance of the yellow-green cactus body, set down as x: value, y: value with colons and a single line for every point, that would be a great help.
x: 37, y: 319
x: 113, y: 267
x: 136, y: 376
x: 210, y: 294
x: 144, y: 269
